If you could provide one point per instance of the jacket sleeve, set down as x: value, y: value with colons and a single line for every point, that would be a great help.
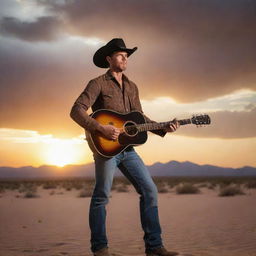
x: 84, y: 101
x: 160, y: 132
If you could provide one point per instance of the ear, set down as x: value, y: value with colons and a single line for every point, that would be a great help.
x: 108, y: 58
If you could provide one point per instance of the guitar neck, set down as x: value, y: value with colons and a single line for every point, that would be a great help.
x: 159, y: 126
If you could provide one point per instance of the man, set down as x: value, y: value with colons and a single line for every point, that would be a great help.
x: 113, y: 90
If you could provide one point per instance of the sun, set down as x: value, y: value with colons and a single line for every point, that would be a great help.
x: 60, y: 154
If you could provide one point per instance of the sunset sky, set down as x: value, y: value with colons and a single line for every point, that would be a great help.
x: 193, y: 57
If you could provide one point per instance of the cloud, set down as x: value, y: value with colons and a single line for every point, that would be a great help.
x: 29, y: 147
x: 198, y: 19
x: 30, y: 137
x: 232, y: 116
x: 189, y: 51
x: 163, y: 107
x: 225, y: 125
x: 43, y: 29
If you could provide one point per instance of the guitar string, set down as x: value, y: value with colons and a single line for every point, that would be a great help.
x: 156, y: 126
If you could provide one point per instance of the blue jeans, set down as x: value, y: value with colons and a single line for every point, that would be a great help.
x: 132, y: 166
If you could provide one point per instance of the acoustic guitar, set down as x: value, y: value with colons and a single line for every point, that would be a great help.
x: 133, y: 130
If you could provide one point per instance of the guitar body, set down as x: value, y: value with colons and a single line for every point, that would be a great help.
x: 110, y: 148
x: 133, y: 130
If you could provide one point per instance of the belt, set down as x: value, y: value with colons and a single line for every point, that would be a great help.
x: 129, y: 148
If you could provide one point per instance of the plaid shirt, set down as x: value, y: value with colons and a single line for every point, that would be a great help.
x: 104, y: 92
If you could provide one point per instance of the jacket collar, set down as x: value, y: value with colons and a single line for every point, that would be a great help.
x: 109, y: 76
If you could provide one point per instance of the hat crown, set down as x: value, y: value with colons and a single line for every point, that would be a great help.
x: 116, y: 42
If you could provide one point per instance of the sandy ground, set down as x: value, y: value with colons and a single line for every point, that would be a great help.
x: 198, y: 224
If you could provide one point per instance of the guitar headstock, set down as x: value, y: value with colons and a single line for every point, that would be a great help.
x: 200, y: 119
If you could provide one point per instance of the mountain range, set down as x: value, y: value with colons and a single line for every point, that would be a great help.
x: 171, y: 168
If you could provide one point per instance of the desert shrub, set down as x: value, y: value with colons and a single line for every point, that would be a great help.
x: 2, y: 189
x: 162, y: 187
x: 52, y: 193
x: 175, y: 181
x: 187, y: 188
x: 225, y: 183
x: 85, y: 193
x: 30, y: 194
x: 49, y: 185
x: 202, y: 185
x: 251, y: 184
x: 231, y: 190
x: 114, y: 186
x: 29, y: 190
x: 171, y: 184
x: 14, y: 185
x: 78, y: 185
x: 24, y: 187
x: 122, y: 188
x: 211, y: 185
x: 163, y: 190
x: 67, y: 186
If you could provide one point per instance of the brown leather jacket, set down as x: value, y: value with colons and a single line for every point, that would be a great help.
x: 104, y: 92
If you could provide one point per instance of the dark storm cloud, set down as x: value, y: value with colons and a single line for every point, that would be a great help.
x: 190, y: 50
x: 198, y: 19
x: 43, y: 29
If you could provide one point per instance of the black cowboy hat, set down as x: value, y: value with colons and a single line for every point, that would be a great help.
x: 116, y: 44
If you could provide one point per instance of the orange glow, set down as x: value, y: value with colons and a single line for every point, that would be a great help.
x: 60, y: 154
x: 34, y: 149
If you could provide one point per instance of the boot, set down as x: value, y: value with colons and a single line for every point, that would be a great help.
x: 102, y: 252
x: 160, y: 252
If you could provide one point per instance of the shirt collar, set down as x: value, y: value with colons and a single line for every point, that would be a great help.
x: 109, y: 76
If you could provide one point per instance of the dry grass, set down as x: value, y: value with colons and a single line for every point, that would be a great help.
x: 121, y: 184
x: 231, y: 190
x: 187, y: 188
x: 30, y: 191
x: 122, y: 188
x: 85, y: 192
x: 50, y: 185
x: 162, y: 187
x: 30, y: 194
x: 251, y: 184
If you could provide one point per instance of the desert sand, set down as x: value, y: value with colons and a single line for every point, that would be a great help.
x: 193, y: 224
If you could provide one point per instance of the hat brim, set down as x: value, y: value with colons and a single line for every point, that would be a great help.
x: 99, y: 58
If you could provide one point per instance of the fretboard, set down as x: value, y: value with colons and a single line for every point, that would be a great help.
x: 156, y: 126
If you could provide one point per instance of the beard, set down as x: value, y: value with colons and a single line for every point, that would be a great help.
x: 123, y: 66
x: 120, y: 68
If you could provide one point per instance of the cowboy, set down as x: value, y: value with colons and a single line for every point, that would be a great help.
x: 114, y: 90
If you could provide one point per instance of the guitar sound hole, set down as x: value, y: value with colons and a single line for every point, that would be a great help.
x: 130, y: 128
